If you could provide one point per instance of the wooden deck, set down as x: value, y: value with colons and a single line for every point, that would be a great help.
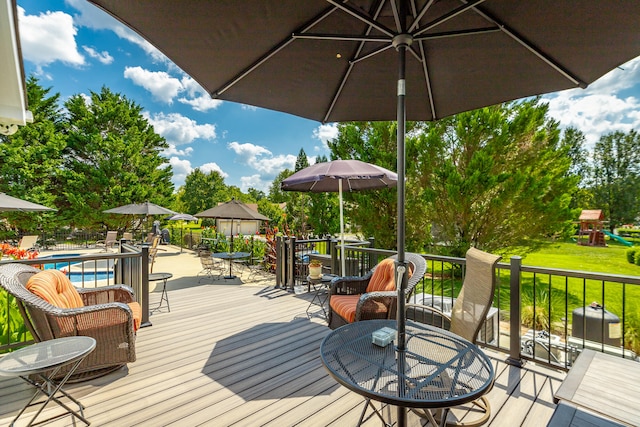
x: 249, y: 356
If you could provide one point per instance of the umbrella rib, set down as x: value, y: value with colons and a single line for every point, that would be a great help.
x: 277, y: 48
x: 362, y: 17
x: 352, y: 62
x: 418, y: 17
x: 531, y: 48
x: 447, y: 16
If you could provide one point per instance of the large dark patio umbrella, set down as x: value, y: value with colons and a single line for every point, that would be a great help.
x: 338, y: 176
x: 232, y: 210
x: 332, y: 60
x: 10, y: 203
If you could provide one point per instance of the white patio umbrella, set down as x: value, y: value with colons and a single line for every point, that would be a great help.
x: 181, y: 217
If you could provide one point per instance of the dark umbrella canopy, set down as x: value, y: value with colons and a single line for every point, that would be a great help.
x: 331, y: 60
x: 146, y: 208
x: 10, y: 203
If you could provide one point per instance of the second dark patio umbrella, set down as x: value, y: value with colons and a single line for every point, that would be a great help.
x: 338, y: 176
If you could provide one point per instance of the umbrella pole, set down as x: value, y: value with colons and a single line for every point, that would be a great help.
x: 401, y: 42
x: 342, y: 261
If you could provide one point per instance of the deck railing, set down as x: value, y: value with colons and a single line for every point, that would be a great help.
x: 86, y: 271
x: 542, y: 314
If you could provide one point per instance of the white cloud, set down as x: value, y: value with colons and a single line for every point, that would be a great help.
x: 162, y: 86
x: 254, y: 181
x: 603, y: 107
x: 166, y: 88
x: 173, y: 151
x: 325, y: 133
x: 178, y: 129
x: 262, y: 160
x: 48, y: 37
x: 92, y: 17
x: 213, y: 167
x: 181, y: 168
x: 103, y: 56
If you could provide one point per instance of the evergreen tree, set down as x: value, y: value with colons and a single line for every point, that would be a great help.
x: 616, y: 174
x: 496, y: 178
x: 30, y: 161
x: 113, y: 157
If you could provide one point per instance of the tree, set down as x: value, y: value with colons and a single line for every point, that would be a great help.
x: 256, y: 194
x: 202, y: 191
x: 616, y: 169
x: 30, y: 160
x: 112, y: 158
x: 276, y: 195
x: 574, y: 141
x: 496, y: 178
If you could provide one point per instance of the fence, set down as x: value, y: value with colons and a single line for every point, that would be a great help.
x: 542, y: 314
x: 129, y: 267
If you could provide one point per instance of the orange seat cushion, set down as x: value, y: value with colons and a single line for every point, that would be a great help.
x: 383, y: 278
x: 345, y: 306
x: 136, y: 310
x: 55, y: 287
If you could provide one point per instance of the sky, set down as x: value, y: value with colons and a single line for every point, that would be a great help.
x: 74, y: 48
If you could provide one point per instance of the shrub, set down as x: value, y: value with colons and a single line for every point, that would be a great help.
x: 631, y: 255
x: 637, y: 258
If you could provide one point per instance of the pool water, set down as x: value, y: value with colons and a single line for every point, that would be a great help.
x: 58, y: 265
x: 77, y: 277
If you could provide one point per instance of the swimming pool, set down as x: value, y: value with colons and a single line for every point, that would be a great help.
x: 59, y: 265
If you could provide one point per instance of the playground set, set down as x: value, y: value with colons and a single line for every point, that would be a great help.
x: 592, y: 231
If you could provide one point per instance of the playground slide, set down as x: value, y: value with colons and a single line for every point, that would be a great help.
x: 618, y: 238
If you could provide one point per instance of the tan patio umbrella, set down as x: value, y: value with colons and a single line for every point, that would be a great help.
x: 232, y: 209
x: 331, y: 60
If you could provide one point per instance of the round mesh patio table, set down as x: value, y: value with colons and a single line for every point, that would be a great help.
x: 438, y: 369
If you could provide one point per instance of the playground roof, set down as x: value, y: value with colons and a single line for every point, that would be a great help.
x: 591, y: 215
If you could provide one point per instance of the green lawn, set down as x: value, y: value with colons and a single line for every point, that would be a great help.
x: 571, y: 256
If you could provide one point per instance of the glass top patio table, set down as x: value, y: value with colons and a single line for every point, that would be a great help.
x: 438, y: 369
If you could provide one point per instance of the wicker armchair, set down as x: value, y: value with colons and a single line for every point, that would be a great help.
x: 370, y: 305
x: 467, y: 316
x: 105, y: 317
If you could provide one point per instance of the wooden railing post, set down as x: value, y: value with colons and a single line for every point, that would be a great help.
x: 514, y: 312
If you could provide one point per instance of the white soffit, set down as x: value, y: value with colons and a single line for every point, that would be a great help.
x: 13, y: 103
